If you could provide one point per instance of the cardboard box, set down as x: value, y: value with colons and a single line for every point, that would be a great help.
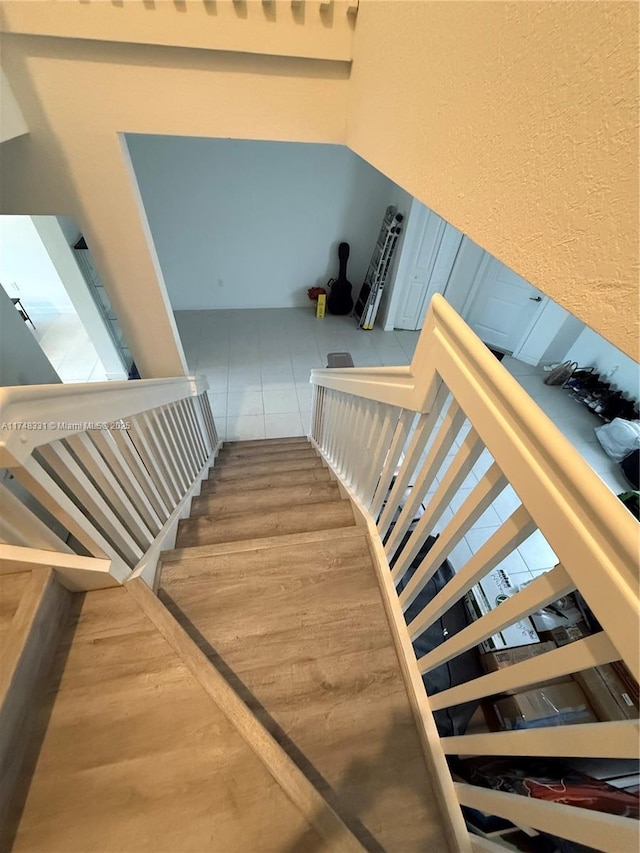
x: 552, y: 705
x: 566, y: 634
x: 618, y: 689
x: 599, y: 695
x: 484, y: 597
x: 493, y: 661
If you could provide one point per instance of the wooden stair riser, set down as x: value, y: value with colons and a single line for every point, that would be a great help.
x: 241, y: 502
x: 266, y: 481
x: 318, y: 516
x: 234, y: 472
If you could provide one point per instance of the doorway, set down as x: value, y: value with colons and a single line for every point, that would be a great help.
x: 504, y: 307
x: 428, y: 255
x: 41, y: 278
x: 500, y: 306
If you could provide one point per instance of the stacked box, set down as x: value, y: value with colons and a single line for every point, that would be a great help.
x: 484, y: 597
x: 607, y: 693
x: 504, y: 658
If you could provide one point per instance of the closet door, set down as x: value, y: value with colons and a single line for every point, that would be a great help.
x: 430, y: 259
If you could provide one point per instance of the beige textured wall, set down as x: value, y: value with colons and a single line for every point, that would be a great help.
x: 518, y: 123
x: 77, y: 96
x: 276, y: 28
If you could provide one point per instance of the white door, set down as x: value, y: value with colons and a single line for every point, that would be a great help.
x: 430, y: 257
x: 504, y: 307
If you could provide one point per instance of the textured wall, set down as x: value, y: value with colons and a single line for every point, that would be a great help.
x: 517, y: 122
x: 78, y: 96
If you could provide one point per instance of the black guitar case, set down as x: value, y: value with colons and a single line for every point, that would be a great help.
x: 340, y: 301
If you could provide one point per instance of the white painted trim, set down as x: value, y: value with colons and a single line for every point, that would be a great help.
x: 50, y: 406
x: 77, y: 574
x: 606, y: 832
x: 147, y: 567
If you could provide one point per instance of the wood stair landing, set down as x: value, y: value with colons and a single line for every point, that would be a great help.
x: 135, y: 757
x: 285, y: 602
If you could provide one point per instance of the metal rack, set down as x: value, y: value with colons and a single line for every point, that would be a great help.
x: 368, y: 300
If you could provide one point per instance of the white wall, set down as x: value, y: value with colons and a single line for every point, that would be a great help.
x: 26, y: 270
x: 592, y: 349
x: 246, y: 224
x: 22, y: 362
x: 553, y: 332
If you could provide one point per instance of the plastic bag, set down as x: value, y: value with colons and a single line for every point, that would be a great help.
x: 619, y: 438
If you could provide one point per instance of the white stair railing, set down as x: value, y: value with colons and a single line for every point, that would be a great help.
x: 103, y: 469
x: 454, y: 410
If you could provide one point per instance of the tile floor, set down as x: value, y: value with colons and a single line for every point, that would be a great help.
x: 258, y: 364
x: 66, y: 344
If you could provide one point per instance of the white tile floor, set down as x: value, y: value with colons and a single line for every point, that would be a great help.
x: 66, y: 344
x: 258, y: 364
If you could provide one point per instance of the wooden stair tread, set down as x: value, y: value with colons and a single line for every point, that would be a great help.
x: 300, y: 628
x: 219, y: 506
x: 232, y: 460
x: 292, y: 519
x: 248, y: 469
x: 196, y: 552
x: 266, y: 481
x: 276, y: 450
x: 129, y: 717
x: 266, y: 442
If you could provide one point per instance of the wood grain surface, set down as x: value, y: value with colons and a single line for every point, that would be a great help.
x: 266, y: 465
x: 300, y: 631
x: 253, y: 454
x: 136, y: 757
x: 276, y: 479
x: 254, y: 500
x: 251, y: 525
x: 28, y: 649
x: 285, y: 771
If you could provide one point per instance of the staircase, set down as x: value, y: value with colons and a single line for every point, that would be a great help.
x: 269, y: 604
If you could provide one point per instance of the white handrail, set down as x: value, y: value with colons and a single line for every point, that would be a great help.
x: 560, y: 490
x: 114, y: 463
x: 595, y: 537
x: 31, y: 415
